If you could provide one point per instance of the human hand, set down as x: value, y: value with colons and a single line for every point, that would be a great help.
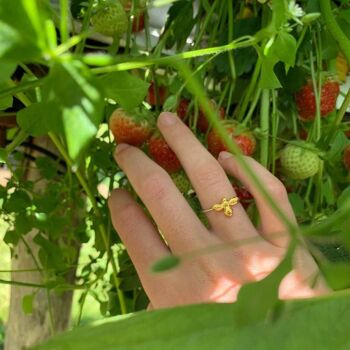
x: 218, y: 276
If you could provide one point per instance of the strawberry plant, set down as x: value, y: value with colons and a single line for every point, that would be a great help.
x: 266, y: 79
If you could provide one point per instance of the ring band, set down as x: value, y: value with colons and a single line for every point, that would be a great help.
x: 224, y: 206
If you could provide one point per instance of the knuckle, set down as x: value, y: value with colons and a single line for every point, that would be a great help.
x: 208, y: 174
x: 276, y: 188
x: 154, y: 186
x: 123, y: 215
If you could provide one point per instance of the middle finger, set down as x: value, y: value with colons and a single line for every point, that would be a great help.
x: 208, y: 179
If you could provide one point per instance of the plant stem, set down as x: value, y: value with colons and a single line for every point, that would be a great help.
x: 80, y: 48
x: 172, y: 60
x: 20, y: 137
x: 98, y: 214
x: 64, y: 8
x: 339, y: 118
x: 264, y: 127
x: 334, y: 28
x: 15, y: 89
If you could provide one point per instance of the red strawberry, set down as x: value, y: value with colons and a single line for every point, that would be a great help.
x: 182, y: 108
x: 347, y: 133
x: 303, y: 134
x: 131, y: 128
x: 306, y: 102
x: 244, y: 139
x: 346, y: 157
x: 162, y: 154
x: 245, y: 198
x: 202, y: 123
x: 152, y: 96
x: 138, y: 22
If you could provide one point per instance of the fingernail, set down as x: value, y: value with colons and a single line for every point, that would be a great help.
x: 121, y: 147
x: 167, y: 119
x: 225, y: 155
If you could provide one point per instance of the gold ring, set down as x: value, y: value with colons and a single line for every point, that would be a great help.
x: 225, y: 205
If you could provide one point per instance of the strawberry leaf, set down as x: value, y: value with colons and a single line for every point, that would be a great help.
x: 21, y: 30
x: 285, y: 48
x: 124, y: 88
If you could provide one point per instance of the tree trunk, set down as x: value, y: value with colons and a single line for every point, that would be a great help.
x: 51, y: 311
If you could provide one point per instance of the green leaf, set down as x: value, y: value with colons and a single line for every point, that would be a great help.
x: 328, y: 190
x: 124, y: 88
x: 337, y: 147
x: 12, y: 237
x: 285, y: 48
x: 279, y: 13
x: 18, y: 201
x: 27, y: 304
x: 345, y: 15
x: 38, y: 119
x: 21, y: 34
x: 166, y: 263
x: 344, y: 197
x: 180, y: 22
x: 50, y: 255
x: 5, y: 102
x: 320, y: 324
x: 256, y: 300
x: 337, y: 275
x: 297, y: 203
x: 268, y: 79
x: 77, y: 105
x: 3, y: 155
x: 47, y: 167
x: 6, y: 70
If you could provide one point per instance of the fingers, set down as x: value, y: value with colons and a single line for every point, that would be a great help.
x: 271, y: 224
x: 175, y: 218
x: 207, y: 177
x: 139, y: 235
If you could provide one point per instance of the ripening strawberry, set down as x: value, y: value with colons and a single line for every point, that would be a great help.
x: 110, y: 18
x: 162, y: 154
x: 182, y: 108
x: 131, y: 128
x: 152, y: 96
x: 138, y: 22
x: 346, y: 157
x: 244, y: 139
x: 245, y: 197
x: 300, y: 161
x: 306, y: 101
x: 203, y: 123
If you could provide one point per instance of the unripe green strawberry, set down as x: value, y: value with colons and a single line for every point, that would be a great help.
x: 110, y: 18
x: 181, y: 181
x: 299, y: 161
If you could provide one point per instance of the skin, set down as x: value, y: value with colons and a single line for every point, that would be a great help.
x: 218, y: 276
